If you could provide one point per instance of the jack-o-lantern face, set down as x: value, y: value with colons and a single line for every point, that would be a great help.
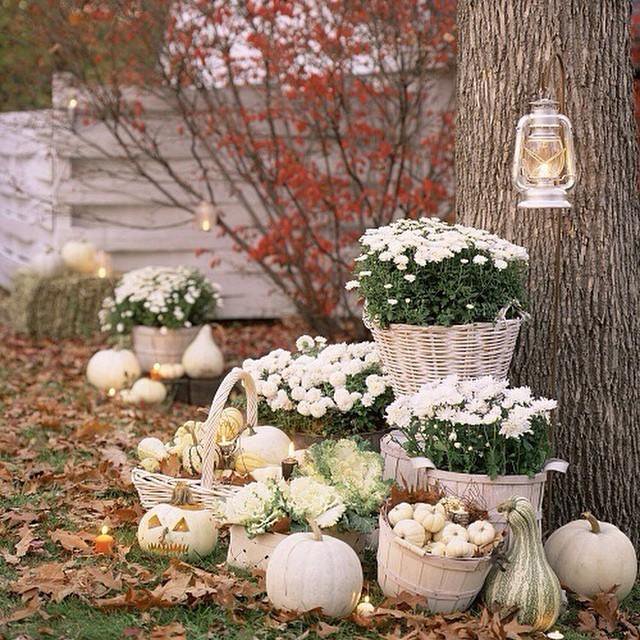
x: 178, y: 530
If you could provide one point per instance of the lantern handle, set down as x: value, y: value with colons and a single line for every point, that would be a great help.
x: 543, y: 83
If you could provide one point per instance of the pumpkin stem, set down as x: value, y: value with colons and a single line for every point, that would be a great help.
x: 182, y: 495
x: 595, y: 525
x: 317, y: 533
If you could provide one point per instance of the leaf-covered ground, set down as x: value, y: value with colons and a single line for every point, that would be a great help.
x: 66, y: 452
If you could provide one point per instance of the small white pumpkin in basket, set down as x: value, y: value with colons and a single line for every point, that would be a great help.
x: 452, y: 531
x: 431, y: 517
x: 481, y: 532
x: 402, y: 511
x: 411, y: 531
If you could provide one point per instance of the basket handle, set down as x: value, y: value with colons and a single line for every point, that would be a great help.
x: 210, y: 427
x: 502, y: 314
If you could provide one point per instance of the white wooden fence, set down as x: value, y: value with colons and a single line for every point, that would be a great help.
x: 55, y: 186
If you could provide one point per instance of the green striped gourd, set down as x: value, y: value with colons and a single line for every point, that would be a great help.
x: 526, y: 580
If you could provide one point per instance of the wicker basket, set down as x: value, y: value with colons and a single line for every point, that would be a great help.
x: 421, y: 473
x: 156, y: 488
x: 254, y: 553
x: 413, y: 355
x: 166, y: 346
x: 447, y: 584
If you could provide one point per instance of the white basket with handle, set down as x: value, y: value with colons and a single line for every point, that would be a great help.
x: 156, y: 488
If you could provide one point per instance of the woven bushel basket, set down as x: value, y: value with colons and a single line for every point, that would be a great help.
x: 157, y: 488
x: 413, y: 355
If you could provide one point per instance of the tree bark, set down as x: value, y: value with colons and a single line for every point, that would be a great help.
x: 502, y: 46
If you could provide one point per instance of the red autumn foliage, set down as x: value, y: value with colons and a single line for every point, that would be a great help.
x: 324, y: 117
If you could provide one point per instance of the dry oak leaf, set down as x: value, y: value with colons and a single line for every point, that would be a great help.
x: 70, y: 541
x: 92, y: 428
x: 171, y: 631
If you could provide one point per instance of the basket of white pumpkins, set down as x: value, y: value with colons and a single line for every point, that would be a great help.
x: 212, y: 458
x: 435, y: 546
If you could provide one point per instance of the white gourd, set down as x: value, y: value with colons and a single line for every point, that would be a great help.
x: 402, y: 511
x: 431, y: 518
x: 113, y: 369
x: 437, y: 548
x: 452, y: 531
x: 481, y: 532
x: 437, y: 537
x: 171, y: 371
x: 203, y: 358
x: 314, y: 571
x: 150, y: 464
x: 267, y: 443
x: 411, y: 531
x: 79, y: 255
x: 591, y: 557
x: 458, y: 547
x: 147, y: 391
x: 151, y: 448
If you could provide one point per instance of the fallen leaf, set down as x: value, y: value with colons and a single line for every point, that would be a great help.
x: 69, y: 541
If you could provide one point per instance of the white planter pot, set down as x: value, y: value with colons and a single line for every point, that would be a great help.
x: 447, y: 584
x: 420, y: 473
x: 166, y: 346
x: 254, y: 553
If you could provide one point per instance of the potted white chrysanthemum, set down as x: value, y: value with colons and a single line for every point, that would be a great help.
x: 478, y: 437
x: 163, y: 308
x: 440, y: 299
x: 338, y: 484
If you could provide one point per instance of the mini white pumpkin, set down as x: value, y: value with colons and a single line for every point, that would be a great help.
x: 590, y: 557
x: 411, y: 531
x: 179, y: 528
x: 147, y: 391
x: 152, y: 448
x: 458, y: 547
x: 452, y: 531
x: 314, y: 571
x: 481, y: 532
x: 430, y: 517
x: 150, y: 464
x: 46, y: 264
x: 265, y: 442
x: 402, y: 511
x: 437, y: 548
x: 203, y: 358
x: 113, y: 369
x: 437, y: 537
x: 171, y: 371
x: 79, y: 255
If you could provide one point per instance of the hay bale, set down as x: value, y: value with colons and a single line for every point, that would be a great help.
x: 60, y: 307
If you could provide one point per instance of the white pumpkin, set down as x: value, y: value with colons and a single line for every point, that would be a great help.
x: 170, y: 371
x: 79, y: 255
x: 152, y: 448
x: 402, y: 511
x: 481, y: 532
x: 46, y: 264
x: 452, y: 531
x: 590, y: 557
x: 203, y: 358
x: 147, y: 391
x: 430, y: 517
x: 113, y: 369
x: 411, y: 531
x: 437, y: 537
x: 314, y: 571
x: 437, y: 548
x: 179, y: 528
x: 458, y: 547
x: 267, y: 443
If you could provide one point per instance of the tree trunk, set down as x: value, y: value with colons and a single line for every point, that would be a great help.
x: 502, y: 45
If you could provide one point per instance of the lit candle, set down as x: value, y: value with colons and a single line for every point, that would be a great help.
x: 112, y: 392
x: 103, y: 264
x: 154, y: 374
x: 289, y: 463
x: 365, y: 608
x: 103, y: 542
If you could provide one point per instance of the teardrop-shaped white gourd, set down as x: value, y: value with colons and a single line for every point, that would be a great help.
x: 203, y: 358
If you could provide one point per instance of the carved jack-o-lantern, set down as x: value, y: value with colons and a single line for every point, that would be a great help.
x: 179, y: 528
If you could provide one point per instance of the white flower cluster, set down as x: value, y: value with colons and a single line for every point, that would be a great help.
x: 315, y: 380
x: 259, y: 505
x: 417, y: 242
x: 482, y: 401
x: 165, y: 293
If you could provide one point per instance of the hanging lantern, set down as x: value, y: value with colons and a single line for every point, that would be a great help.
x: 103, y: 264
x: 544, y: 164
x: 206, y: 216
